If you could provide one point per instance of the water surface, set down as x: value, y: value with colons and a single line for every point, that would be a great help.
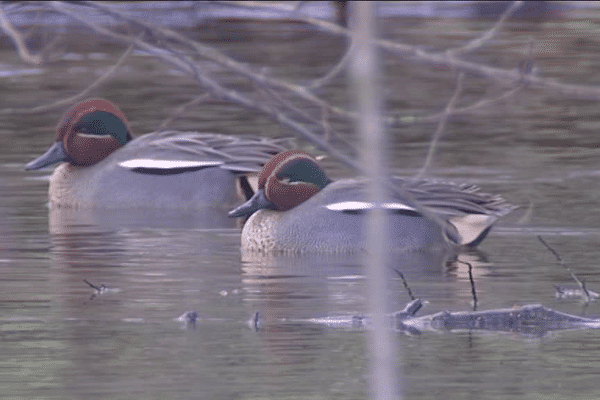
x: 540, y: 151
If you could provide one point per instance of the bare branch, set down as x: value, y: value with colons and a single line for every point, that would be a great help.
x: 439, y: 59
x: 472, y: 281
x: 561, y: 262
x: 483, y: 39
x: 333, y: 72
x: 221, y: 59
x: 405, y: 283
x: 17, y: 39
x: 181, y: 109
x: 187, y: 65
x: 70, y: 100
x: 442, y: 125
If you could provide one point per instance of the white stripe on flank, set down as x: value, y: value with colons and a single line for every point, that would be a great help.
x: 362, y: 205
x: 167, y: 164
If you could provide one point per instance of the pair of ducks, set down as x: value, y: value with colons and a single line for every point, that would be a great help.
x: 295, y: 208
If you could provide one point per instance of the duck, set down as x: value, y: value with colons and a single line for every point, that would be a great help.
x: 103, y: 166
x: 298, y: 209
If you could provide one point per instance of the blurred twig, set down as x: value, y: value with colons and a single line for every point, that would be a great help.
x: 442, y: 125
x: 561, y: 262
x: 405, y: 283
x: 334, y: 71
x: 365, y: 74
x: 182, y: 108
x: 70, y: 100
x: 442, y: 58
x: 17, y: 38
x: 487, y: 35
x: 472, y: 281
x: 187, y: 65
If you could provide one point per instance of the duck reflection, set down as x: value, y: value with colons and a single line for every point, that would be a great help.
x: 65, y: 220
x: 287, y: 291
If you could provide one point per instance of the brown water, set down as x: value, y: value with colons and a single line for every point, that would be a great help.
x: 539, y: 150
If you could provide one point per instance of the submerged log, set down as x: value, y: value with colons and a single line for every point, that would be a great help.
x: 530, y: 320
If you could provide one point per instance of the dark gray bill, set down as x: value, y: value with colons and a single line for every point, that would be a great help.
x: 56, y: 153
x: 256, y: 202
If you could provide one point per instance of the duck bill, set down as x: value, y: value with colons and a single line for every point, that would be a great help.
x: 256, y: 202
x: 56, y: 153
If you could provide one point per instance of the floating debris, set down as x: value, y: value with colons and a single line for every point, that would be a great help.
x: 254, y: 322
x: 566, y: 293
x: 189, y: 318
x: 531, y: 320
x: 99, y: 289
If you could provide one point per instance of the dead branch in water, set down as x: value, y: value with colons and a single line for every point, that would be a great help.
x: 588, y: 296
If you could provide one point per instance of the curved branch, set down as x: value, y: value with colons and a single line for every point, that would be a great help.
x: 438, y: 59
x: 215, y: 88
x: 77, y: 97
x: 442, y: 125
x: 17, y: 39
x: 483, y: 39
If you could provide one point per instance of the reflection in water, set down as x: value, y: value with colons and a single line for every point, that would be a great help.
x: 324, y: 283
x: 154, y: 273
x: 64, y: 220
x: 289, y: 290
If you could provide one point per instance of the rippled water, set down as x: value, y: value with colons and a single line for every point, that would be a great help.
x: 61, y: 340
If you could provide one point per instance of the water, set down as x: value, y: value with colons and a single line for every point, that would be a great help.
x: 61, y: 340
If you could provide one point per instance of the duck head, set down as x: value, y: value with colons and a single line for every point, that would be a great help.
x: 287, y: 180
x: 86, y: 134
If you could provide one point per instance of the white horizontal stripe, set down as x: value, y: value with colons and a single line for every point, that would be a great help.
x: 94, y: 135
x: 363, y: 205
x: 166, y: 164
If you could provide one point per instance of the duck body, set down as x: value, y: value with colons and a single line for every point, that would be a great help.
x: 102, y: 166
x: 333, y: 219
x: 327, y: 230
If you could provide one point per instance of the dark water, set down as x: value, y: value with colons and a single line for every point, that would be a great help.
x: 539, y: 150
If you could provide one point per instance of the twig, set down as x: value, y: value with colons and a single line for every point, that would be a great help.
x: 463, y: 110
x: 97, y: 288
x: 405, y: 283
x: 17, y: 39
x: 437, y: 59
x: 472, y: 280
x: 560, y: 261
x: 447, y: 227
x: 483, y: 39
x: 525, y: 68
x: 78, y: 96
x: 255, y: 321
x: 333, y: 72
x: 218, y: 57
x: 181, y: 109
x: 442, y: 125
x: 193, y: 69
x: 289, y: 10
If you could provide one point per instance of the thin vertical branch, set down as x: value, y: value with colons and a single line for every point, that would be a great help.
x: 472, y: 280
x: 365, y: 79
x: 405, y: 283
x: 565, y: 266
x: 442, y: 125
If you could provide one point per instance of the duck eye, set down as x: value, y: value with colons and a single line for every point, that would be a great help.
x: 103, y: 124
x: 82, y: 129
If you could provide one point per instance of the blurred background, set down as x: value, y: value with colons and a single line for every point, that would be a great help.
x: 524, y: 125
